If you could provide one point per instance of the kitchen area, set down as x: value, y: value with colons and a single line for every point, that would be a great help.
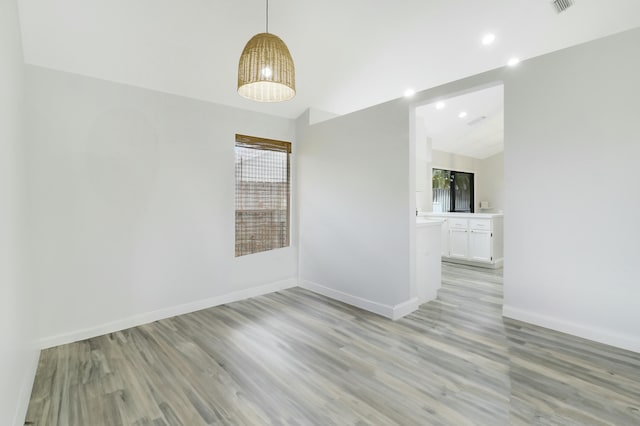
x: 474, y: 239
x: 459, y: 185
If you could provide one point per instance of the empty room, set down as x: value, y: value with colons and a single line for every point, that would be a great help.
x: 267, y: 212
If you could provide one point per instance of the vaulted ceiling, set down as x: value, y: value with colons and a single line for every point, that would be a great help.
x: 471, y: 124
x: 348, y: 54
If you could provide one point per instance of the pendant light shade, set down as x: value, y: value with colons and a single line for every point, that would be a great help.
x: 266, y: 72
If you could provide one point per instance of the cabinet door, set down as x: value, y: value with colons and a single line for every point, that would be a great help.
x: 458, y: 243
x: 480, y: 246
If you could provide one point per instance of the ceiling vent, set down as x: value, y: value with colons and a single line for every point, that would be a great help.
x: 562, y: 5
x: 476, y: 121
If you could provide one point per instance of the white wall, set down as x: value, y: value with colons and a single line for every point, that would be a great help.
x: 17, y: 350
x: 423, y: 167
x: 450, y: 161
x: 132, y: 205
x: 356, y: 187
x: 491, y: 182
x: 572, y: 193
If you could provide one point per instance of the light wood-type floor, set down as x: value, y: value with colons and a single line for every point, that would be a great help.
x: 296, y: 358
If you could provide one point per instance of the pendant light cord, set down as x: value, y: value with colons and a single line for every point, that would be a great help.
x: 267, y: 16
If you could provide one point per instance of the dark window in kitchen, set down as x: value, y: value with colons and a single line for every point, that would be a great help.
x: 452, y: 191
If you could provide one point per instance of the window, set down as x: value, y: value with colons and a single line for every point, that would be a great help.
x: 452, y: 191
x: 262, y: 194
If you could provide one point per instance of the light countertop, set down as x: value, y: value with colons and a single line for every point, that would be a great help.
x: 462, y: 215
x: 422, y: 222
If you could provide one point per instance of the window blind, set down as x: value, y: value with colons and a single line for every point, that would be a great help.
x: 262, y: 194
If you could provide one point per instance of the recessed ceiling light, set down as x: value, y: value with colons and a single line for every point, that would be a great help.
x: 513, y: 62
x: 409, y: 93
x: 463, y: 114
x: 488, y: 39
x: 440, y: 105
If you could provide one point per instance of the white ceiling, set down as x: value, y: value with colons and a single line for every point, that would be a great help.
x: 480, y: 134
x: 348, y: 54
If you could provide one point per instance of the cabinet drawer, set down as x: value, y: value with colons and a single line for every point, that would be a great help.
x: 480, y: 224
x: 457, y: 223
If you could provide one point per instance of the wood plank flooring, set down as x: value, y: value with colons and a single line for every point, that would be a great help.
x: 297, y: 358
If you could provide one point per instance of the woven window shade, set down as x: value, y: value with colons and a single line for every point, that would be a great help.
x: 262, y: 194
x: 266, y: 72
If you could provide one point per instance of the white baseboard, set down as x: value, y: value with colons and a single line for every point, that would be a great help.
x: 432, y: 294
x: 496, y: 264
x: 595, y: 334
x: 388, y: 311
x: 25, y: 389
x: 405, y: 308
x: 169, y: 312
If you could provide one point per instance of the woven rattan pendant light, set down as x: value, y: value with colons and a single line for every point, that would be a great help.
x: 266, y: 72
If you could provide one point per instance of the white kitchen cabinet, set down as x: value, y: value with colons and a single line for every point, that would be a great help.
x: 480, y: 240
x: 474, y: 239
x: 458, y: 237
x: 458, y: 243
x: 480, y: 246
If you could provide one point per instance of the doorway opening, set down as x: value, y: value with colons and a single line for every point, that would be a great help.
x: 458, y: 144
x: 460, y: 139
